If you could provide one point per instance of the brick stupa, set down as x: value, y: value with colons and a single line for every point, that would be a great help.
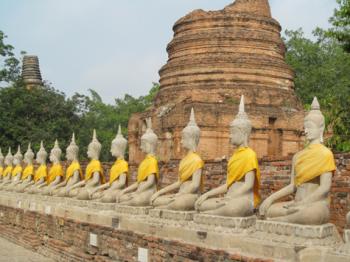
x: 214, y: 58
x: 31, y: 75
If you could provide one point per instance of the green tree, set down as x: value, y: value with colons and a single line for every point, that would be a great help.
x: 322, y: 69
x: 341, y: 24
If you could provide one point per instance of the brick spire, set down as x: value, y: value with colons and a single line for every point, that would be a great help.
x: 31, y: 71
x: 256, y: 7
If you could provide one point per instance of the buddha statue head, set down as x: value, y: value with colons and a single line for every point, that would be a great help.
x: 29, y: 155
x: 1, y: 158
x: 9, y: 158
x: 191, y: 134
x: 55, y: 153
x: 119, y: 144
x: 72, y: 150
x: 94, y: 148
x: 314, y: 123
x: 18, y: 157
x: 240, y: 127
x: 41, y: 155
x: 149, y: 139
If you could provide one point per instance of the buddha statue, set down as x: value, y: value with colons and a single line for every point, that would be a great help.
x: 140, y: 193
x: 118, y: 175
x: 311, y: 179
x: 190, y: 179
x: 28, y: 172
x: 7, y: 174
x: 1, y: 166
x: 94, y: 176
x: 55, y: 175
x: 17, y: 170
x: 73, y: 172
x: 40, y: 175
x: 348, y: 219
x: 241, y: 190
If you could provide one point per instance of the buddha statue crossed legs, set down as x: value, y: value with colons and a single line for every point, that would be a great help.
x: 118, y: 174
x: 17, y: 170
x: 28, y: 172
x: 139, y: 193
x: 7, y: 174
x: 190, y: 174
x: 311, y: 179
x: 243, y: 176
x: 74, y: 173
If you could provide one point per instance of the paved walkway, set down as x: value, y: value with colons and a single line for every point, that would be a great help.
x: 10, y: 252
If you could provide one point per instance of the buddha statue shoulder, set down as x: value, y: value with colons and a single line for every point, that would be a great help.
x: 56, y: 174
x: 28, y: 172
x: 241, y: 190
x: 140, y: 193
x: 94, y: 175
x: 17, y: 170
x: 118, y: 174
x: 40, y: 174
x: 7, y: 174
x: 311, y: 179
x: 190, y: 180
x: 74, y: 173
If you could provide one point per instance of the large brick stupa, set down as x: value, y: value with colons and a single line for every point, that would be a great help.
x: 214, y: 58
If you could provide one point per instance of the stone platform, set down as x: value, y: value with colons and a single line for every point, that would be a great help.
x: 172, y: 215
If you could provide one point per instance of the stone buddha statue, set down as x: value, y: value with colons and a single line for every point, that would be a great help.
x: 311, y: 179
x: 94, y: 176
x: 28, y: 172
x: 348, y: 219
x: 241, y: 190
x: 40, y: 175
x: 118, y: 175
x: 1, y: 166
x: 7, y: 174
x: 74, y: 173
x: 190, y: 174
x: 140, y: 193
x: 17, y: 170
x: 55, y: 175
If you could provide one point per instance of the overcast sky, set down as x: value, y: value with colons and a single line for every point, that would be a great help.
x: 117, y: 46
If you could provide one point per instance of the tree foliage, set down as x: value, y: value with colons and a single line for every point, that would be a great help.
x: 9, y: 64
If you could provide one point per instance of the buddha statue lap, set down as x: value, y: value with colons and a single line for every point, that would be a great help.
x: 140, y: 193
x: 7, y: 174
x: 28, y: 172
x: 40, y: 175
x: 118, y: 175
x: 55, y: 175
x: 74, y: 173
x: 311, y: 179
x: 94, y: 175
x: 190, y: 179
x: 241, y: 191
x: 17, y: 171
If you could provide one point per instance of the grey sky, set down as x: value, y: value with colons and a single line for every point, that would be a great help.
x: 117, y: 46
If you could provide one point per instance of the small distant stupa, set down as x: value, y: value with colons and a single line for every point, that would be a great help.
x: 31, y: 71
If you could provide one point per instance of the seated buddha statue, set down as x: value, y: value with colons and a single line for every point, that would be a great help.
x: 190, y: 179
x: 28, y: 172
x: 140, y: 193
x: 55, y: 175
x: 17, y: 170
x: 7, y: 174
x: 40, y: 174
x: 73, y: 172
x: 118, y: 175
x: 311, y: 179
x: 94, y: 175
x: 1, y: 166
x: 241, y: 190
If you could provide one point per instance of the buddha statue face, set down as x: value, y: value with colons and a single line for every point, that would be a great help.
x: 1, y: 159
x: 119, y: 145
x: 241, y: 127
x: 29, y: 156
x: 55, y: 154
x: 314, y: 123
x: 149, y: 140
x: 72, y: 150
x: 9, y: 158
x: 17, y: 159
x: 191, y: 134
x: 94, y: 148
x: 41, y: 155
x: 238, y: 136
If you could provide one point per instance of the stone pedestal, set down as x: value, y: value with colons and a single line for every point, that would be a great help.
x: 230, y: 222
x: 128, y: 210
x: 172, y: 215
x: 347, y: 235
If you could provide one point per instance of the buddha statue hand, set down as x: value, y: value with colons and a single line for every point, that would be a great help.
x: 200, y: 201
x: 265, y: 206
x: 154, y: 197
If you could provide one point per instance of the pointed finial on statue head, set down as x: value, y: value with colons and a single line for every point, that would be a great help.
x: 73, y: 138
x: 315, y: 104
x: 192, y: 121
x: 119, y: 130
x: 42, y: 144
x: 241, y: 105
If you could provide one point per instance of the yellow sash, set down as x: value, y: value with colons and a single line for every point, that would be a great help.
x: 312, y: 162
x: 1, y: 170
x: 55, y: 171
x: 74, y: 166
x: 119, y: 167
x: 243, y: 161
x: 16, y: 170
x: 28, y: 171
x: 40, y: 173
x: 148, y: 167
x: 7, y: 171
x: 189, y: 165
x: 92, y: 167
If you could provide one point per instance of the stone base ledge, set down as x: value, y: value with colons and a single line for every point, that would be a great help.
x: 221, y: 221
x: 172, y: 215
x: 347, y: 235
x: 136, y: 211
